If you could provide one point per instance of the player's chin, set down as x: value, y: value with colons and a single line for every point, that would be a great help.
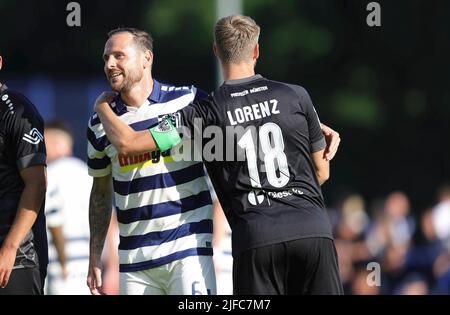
x: 116, y: 86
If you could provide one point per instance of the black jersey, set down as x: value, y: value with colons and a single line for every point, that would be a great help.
x: 262, y: 169
x: 21, y: 146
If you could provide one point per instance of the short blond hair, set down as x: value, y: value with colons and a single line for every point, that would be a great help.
x: 235, y: 37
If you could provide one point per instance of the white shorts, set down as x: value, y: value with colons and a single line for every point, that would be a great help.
x: 193, y: 275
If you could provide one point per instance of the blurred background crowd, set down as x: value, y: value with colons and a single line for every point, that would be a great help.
x: 412, y: 249
x: 385, y: 89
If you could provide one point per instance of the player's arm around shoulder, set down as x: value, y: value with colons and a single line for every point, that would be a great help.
x: 126, y: 140
x: 322, y: 166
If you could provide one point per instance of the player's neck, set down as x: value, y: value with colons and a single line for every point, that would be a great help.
x: 137, y: 95
x: 234, y: 71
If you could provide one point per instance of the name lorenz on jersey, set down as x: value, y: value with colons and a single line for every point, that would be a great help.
x: 272, y: 194
x: 253, y: 112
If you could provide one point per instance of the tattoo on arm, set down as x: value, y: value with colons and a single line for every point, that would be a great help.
x: 99, y: 213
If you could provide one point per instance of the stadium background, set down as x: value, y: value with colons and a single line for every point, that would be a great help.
x: 385, y: 89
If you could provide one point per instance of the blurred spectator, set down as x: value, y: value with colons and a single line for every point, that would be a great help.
x: 350, y: 243
x: 399, y: 227
x: 400, y: 224
x: 414, y: 284
x: 441, y: 224
x: 223, y: 259
x: 66, y: 207
x: 360, y: 285
x: 354, y: 219
x: 441, y: 214
x: 419, y: 265
x: 441, y: 221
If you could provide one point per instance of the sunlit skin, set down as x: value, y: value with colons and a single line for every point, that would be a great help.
x: 123, y: 65
x: 128, y: 68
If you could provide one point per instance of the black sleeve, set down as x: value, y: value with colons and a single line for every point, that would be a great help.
x: 200, y: 95
x: 198, y: 115
x: 25, y: 128
x: 316, y: 138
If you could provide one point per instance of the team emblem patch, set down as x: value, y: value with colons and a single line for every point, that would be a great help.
x: 164, y: 126
x: 34, y: 137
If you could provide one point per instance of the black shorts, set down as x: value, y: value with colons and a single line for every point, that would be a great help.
x: 304, y: 266
x: 26, y: 281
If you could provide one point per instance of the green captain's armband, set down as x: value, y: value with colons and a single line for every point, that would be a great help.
x: 165, y: 134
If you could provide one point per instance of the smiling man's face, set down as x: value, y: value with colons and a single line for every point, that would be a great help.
x: 123, y: 62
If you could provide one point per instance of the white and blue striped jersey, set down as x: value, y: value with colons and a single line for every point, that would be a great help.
x: 164, y: 207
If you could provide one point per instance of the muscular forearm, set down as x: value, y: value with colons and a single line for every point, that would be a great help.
x: 123, y: 137
x: 117, y: 132
x: 99, y: 218
x: 28, y: 209
x: 322, y: 166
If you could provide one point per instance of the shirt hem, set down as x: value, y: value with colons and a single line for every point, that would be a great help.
x: 283, y: 239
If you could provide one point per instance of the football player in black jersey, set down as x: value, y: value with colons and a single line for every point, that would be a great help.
x: 267, y: 156
x: 23, y: 239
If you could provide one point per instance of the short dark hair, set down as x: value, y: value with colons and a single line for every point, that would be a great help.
x: 141, y: 38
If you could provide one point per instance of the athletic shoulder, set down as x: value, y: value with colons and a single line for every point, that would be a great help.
x: 299, y: 90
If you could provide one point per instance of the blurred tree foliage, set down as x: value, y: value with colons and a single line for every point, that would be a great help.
x: 385, y: 89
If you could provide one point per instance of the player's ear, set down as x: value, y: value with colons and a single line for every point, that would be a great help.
x: 256, y: 52
x: 1, y: 62
x: 148, y: 59
x: 215, y: 50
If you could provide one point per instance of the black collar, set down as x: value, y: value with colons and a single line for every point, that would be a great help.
x: 244, y: 80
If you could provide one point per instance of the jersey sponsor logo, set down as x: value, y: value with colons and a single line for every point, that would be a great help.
x: 258, y: 89
x: 285, y: 193
x: 7, y: 100
x: 34, y: 137
x: 130, y: 162
x: 251, y: 91
x: 253, y: 112
x: 256, y: 197
x: 237, y: 94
